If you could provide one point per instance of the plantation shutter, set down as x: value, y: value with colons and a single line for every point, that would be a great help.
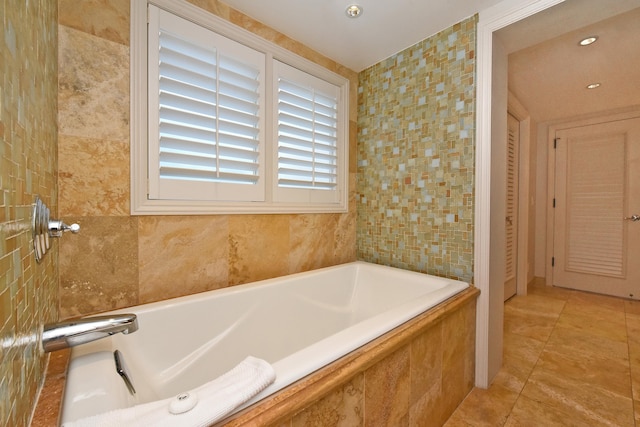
x: 206, y: 125
x: 307, y: 125
x: 511, y: 224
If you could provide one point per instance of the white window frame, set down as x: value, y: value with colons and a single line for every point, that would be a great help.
x: 141, y: 204
x: 318, y: 86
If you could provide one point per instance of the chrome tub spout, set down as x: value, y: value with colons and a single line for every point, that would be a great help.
x: 57, y: 336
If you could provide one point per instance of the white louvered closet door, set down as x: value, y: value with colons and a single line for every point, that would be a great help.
x: 511, y: 219
x: 597, y: 186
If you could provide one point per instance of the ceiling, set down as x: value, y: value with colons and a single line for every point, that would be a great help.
x: 385, y: 27
x: 548, y: 71
x: 550, y: 76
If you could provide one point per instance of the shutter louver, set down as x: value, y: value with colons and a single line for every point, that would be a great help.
x: 307, y: 137
x: 208, y: 114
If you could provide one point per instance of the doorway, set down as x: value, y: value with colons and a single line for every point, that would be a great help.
x: 488, y: 265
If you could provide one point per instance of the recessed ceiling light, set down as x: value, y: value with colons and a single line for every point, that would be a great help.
x: 593, y: 86
x: 588, y: 40
x: 353, y: 11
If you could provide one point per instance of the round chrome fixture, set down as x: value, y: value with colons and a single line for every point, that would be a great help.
x: 593, y: 86
x: 353, y: 11
x: 588, y: 40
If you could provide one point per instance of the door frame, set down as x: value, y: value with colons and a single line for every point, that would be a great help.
x: 589, y: 119
x: 489, y: 313
x: 517, y: 110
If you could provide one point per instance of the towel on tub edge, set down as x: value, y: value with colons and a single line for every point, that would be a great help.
x: 201, y: 406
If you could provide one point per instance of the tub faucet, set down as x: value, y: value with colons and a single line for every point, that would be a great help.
x: 56, y: 336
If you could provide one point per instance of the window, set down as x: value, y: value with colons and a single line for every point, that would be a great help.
x: 225, y: 122
x: 307, y: 136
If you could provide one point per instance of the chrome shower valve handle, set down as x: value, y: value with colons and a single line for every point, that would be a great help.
x: 43, y: 228
x: 58, y: 228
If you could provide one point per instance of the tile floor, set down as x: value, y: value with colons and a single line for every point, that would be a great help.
x: 570, y: 359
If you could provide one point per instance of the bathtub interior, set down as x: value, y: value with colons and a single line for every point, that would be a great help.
x: 188, y: 341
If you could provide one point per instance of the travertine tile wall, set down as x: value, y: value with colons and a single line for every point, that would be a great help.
x: 28, y: 138
x: 416, y: 118
x: 120, y: 260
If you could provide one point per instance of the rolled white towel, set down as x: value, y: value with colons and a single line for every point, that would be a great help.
x: 199, y: 407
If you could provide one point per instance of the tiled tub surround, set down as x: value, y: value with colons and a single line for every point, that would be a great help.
x: 416, y: 118
x: 298, y: 323
x: 415, y: 375
x: 28, y: 158
x: 123, y: 260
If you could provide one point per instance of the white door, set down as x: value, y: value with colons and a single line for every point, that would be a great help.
x: 597, y: 213
x: 511, y: 220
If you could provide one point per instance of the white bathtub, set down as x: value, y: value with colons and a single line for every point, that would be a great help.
x: 298, y: 323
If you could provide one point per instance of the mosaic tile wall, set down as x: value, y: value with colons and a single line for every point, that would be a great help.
x: 28, y: 138
x: 119, y: 260
x: 416, y: 126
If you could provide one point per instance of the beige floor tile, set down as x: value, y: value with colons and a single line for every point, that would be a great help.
x: 519, y: 349
x: 632, y: 307
x: 550, y: 291
x: 633, y: 328
x: 595, y: 324
x: 529, y: 413
x: 529, y: 324
x: 519, y: 357
x: 597, y: 311
x: 457, y: 422
x: 512, y: 377
x: 570, y: 359
x: 598, y: 405
x: 633, y: 333
x: 572, y: 340
x: 635, y: 385
x: 589, y: 368
x: 488, y: 408
x: 602, y: 301
x: 536, y: 304
x: 634, y: 365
